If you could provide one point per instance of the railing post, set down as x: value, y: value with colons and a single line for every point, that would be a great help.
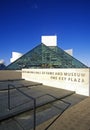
x: 34, y: 103
x: 34, y: 108
x: 8, y: 97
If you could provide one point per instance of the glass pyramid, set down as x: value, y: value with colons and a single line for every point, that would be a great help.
x: 43, y: 56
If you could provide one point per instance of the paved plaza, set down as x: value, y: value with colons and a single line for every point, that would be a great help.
x: 55, y: 108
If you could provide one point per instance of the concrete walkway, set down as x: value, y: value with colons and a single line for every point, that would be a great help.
x: 50, y: 103
x: 74, y: 118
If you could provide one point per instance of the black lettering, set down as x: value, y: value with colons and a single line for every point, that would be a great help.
x: 82, y: 80
x: 75, y: 80
x: 82, y: 74
x: 78, y: 74
x: 65, y: 74
x: 79, y: 80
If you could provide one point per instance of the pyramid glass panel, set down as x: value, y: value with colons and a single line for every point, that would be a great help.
x: 43, y: 56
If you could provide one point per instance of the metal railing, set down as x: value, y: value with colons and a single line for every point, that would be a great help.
x: 34, y: 102
x: 56, y: 99
x: 68, y: 105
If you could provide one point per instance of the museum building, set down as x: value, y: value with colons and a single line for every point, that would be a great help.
x: 46, y: 55
x: 50, y: 65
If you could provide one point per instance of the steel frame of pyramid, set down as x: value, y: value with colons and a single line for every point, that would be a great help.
x: 43, y: 56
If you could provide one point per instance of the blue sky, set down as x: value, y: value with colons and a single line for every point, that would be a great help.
x: 23, y: 22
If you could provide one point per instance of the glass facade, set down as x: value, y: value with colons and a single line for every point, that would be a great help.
x: 43, y: 56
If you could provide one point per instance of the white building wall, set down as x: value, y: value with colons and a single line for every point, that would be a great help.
x: 71, y: 79
x: 69, y: 51
x: 15, y: 56
x: 49, y: 40
x: 1, y: 61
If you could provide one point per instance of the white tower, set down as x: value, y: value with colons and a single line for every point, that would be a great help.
x: 49, y: 40
x: 15, y: 56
